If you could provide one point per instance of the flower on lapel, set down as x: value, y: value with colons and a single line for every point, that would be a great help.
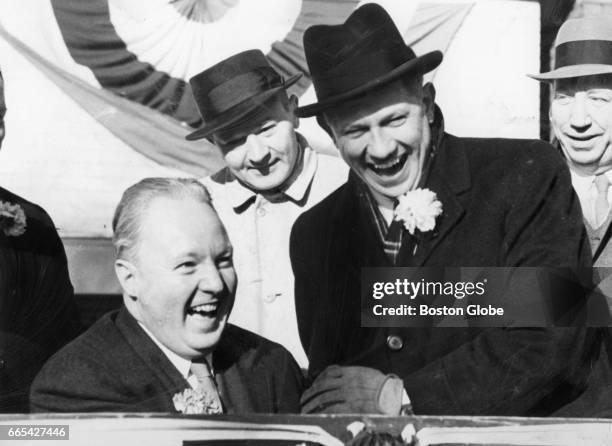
x: 192, y: 401
x: 12, y: 219
x: 418, y: 209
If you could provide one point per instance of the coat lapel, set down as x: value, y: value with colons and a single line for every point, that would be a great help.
x: 236, y: 380
x: 449, y: 177
x: 154, y: 358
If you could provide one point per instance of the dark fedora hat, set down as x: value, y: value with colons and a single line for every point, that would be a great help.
x: 365, y: 52
x: 233, y: 88
x: 583, y: 47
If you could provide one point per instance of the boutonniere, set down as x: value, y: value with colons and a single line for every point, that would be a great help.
x: 418, y: 209
x: 12, y: 219
x: 192, y: 401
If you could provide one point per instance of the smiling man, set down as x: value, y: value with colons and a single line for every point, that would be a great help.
x: 174, y: 263
x: 581, y: 118
x: 272, y: 176
x: 499, y: 204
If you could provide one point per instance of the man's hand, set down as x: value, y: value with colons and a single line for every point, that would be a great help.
x: 353, y: 390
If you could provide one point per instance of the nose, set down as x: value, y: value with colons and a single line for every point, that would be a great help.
x: 580, y: 119
x: 380, y: 146
x: 210, y: 279
x: 258, y: 150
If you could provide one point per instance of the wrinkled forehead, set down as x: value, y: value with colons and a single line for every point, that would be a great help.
x: 583, y: 83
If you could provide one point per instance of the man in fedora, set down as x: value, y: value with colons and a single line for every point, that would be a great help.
x: 272, y: 176
x: 581, y: 118
x: 498, y: 203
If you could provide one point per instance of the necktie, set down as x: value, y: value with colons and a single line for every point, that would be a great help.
x: 602, y: 207
x: 206, y: 383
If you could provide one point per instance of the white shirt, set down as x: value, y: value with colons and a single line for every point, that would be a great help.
x: 259, y: 235
x: 587, y: 193
x: 182, y: 365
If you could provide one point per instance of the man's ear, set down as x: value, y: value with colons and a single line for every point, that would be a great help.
x: 429, y: 100
x: 128, y: 277
x: 293, y: 106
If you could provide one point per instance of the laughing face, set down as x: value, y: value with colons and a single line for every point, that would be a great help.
x: 262, y: 151
x: 384, y: 135
x: 182, y: 280
x: 581, y: 117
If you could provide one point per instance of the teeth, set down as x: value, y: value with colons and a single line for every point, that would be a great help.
x: 204, y: 308
x: 387, y: 165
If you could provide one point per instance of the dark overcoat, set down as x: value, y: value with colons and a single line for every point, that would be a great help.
x: 38, y: 313
x: 116, y: 367
x: 506, y: 203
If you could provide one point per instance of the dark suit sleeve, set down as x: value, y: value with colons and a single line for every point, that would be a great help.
x: 520, y: 371
x: 37, y: 304
x: 72, y: 382
x: 289, y: 383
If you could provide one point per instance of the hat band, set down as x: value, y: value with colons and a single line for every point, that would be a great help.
x: 581, y: 52
x: 240, y: 88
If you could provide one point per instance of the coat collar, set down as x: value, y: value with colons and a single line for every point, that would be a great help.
x: 449, y: 177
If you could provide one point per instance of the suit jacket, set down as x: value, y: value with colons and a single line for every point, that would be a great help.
x: 506, y: 203
x: 116, y: 366
x: 38, y: 314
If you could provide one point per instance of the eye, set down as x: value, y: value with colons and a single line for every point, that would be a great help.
x: 225, y: 261
x: 186, y: 267
x: 601, y: 98
x: 397, y: 121
x: 562, y: 98
x: 267, y: 129
x: 354, y: 132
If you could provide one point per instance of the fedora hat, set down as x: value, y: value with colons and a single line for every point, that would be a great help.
x: 583, y: 48
x: 234, y: 88
x: 365, y: 52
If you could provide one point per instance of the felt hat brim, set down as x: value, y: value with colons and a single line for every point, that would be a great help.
x: 572, y: 71
x: 239, y: 111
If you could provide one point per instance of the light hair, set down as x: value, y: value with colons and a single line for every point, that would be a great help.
x: 135, y: 202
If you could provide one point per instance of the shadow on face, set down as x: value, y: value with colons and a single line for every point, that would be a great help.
x: 261, y: 149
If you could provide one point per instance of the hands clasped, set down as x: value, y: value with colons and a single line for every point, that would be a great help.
x: 353, y: 390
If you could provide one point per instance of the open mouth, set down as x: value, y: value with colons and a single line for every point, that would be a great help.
x: 390, y: 167
x: 209, y: 310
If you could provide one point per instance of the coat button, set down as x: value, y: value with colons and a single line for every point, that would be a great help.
x: 394, y: 342
x: 2, y: 363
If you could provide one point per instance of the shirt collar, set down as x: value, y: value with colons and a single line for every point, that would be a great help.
x: 182, y: 365
x: 241, y: 196
x: 583, y: 183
